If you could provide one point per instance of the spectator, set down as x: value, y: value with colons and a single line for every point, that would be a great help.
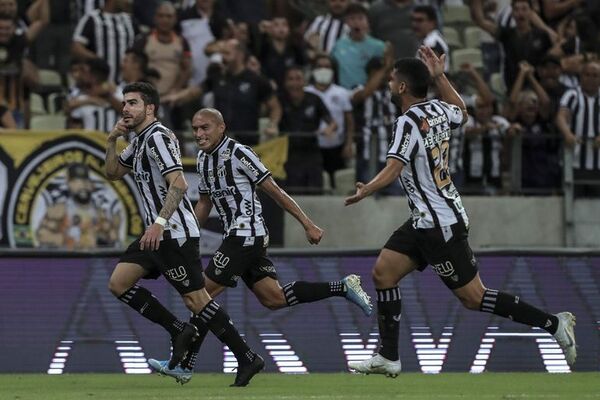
x: 247, y: 11
x: 33, y: 22
x: 302, y: 118
x: 6, y: 119
x: 134, y: 68
x: 337, y: 148
x: 540, y: 166
x: 553, y: 11
x: 50, y: 51
x: 238, y: 93
x: 425, y: 26
x: 84, y: 7
x: 374, y: 114
x: 201, y: 25
x: 390, y: 21
x: 13, y: 45
x: 549, y: 71
x: 484, y: 134
x: 326, y: 29
x: 97, y: 107
x: 579, y: 123
x: 80, y: 76
x: 526, y: 75
x: 278, y: 51
x: 167, y: 52
x: 105, y: 33
x: 524, y: 42
x: 352, y: 52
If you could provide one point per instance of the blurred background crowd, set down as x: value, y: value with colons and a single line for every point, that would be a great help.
x: 317, y: 71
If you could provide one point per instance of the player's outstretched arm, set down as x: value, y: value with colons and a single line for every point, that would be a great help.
x: 391, y: 171
x: 285, y: 201
x: 113, y: 168
x: 447, y: 92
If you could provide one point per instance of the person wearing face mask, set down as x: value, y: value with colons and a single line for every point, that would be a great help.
x: 336, y: 149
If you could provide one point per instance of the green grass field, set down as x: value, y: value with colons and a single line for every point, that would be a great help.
x: 313, y: 386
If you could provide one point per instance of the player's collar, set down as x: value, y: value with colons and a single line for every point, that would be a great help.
x: 216, y: 149
x: 146, y: 130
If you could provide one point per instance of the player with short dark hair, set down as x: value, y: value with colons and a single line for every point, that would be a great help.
x: 170, y: 245
x: 230, y: 173
x: 437, y: 232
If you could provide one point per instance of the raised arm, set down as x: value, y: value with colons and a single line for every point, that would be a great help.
x: 113, y: 168
x: 447, y: 92
x: 480, y: 19
x: 285, y: 201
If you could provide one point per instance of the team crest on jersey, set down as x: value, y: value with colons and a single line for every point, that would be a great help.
x: 424, y: 126
x: 244, y: 87
x: 221, y: 171
x: 309, y: 112
x: 226, y: 155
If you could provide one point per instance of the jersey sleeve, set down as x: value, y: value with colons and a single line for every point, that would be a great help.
x: 165, y: 151
x: 202, y: 184
x: 250, y: 165
x: 569, y: 100
x: 84, y: 31
x: 126, y: 156
x: 404, y: 141
x: 454, y: 113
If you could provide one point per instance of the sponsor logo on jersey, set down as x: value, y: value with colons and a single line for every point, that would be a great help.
x: 228, y: 191
x: 156, y: 157
x: 249, y: 165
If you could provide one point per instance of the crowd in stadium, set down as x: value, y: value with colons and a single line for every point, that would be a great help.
x: 318, y: 70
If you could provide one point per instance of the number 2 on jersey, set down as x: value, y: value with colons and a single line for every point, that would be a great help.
x: 441, y: 173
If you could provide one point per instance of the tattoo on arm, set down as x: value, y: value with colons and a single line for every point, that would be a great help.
x: 172, y: 200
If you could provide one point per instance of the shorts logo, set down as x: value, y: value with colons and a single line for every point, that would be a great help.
x: 177, y: 274
x: 220, y: 261
x: 270, y: 269
x: 444, y: 269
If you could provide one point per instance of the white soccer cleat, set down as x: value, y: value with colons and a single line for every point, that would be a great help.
x: 565, y: 336
x: 377, y: 365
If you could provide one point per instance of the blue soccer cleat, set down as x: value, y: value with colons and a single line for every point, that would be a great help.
x: 356, y: 294
x: 181, y: 375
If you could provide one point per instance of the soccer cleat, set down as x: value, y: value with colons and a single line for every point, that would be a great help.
x: 356, y: 294
x: 377, y: 365
x: 565, y: 336
x: 245, y: 372
x: 181, y: 375
x: 181, y: 343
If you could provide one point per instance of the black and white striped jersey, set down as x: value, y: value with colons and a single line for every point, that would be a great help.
x: 329, y: 29
x: 87, y: 6
x: 437, y: 43
x: 152, y: 154
x: 421, y: 141
x: 374, y: 118
x: 108, y: 35
x: 230, y: 174
x: 96, y: 118
x: 585, y: 124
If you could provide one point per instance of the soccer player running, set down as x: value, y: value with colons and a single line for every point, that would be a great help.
x: 170, y: 244
x: 438, y: 229
x: 230, y: 174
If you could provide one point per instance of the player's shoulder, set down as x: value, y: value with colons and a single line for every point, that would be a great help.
x: 159, y: 130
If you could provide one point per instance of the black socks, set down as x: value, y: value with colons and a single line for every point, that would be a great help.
x: 389, y: 308
x: 307, y: 292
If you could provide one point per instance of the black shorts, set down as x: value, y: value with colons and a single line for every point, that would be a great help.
x: 244, y: 257
x: 180, y: 265
x: 446, y: 249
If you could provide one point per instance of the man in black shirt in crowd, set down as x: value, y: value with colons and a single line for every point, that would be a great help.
x: 238, y: 94
x: 304, y: 116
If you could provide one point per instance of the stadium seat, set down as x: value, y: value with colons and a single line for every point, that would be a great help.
x: 36, y: 105
x: 326, y: 183
x: 462, y: 56
x: 345, y: 180
x: 48, y: 122
x: 49, y: 77
x: 452, y: 37
x: 497, y: 83
x: 56, y: 102
x: 472, y: 35
x: 456, y: 15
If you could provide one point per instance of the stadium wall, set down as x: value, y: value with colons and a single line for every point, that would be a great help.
x: 505, y: 221
x: 57, y: 316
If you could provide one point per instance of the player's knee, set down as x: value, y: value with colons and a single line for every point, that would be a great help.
x: 116, y: 288
x: 193, y: 304
x: 274, y: 301
x: 379, y: 277
x: 471, y: 302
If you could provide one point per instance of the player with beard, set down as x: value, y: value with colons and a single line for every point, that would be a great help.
x: 437, y: 232
x: 170, y: 244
